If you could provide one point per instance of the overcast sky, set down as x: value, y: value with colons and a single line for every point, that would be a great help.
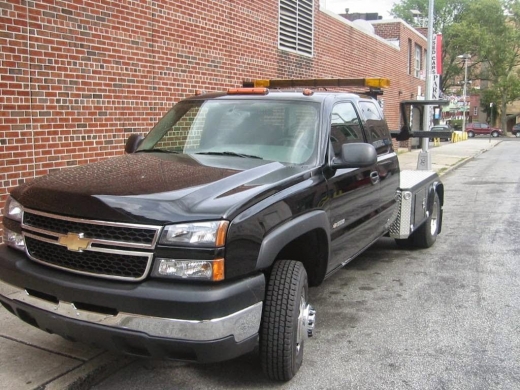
x: 382, y: 7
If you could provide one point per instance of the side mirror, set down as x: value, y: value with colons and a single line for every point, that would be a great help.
x: 355, y: 155
x: 133, y: 142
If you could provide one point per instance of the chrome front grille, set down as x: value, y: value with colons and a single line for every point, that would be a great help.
x: 91, y: 229
x: 106, y: 249
x: 92, y: 262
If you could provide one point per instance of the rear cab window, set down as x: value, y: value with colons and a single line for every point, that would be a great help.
x: 376, y: 127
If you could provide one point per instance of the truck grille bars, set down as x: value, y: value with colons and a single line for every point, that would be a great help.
x: 97, y: 248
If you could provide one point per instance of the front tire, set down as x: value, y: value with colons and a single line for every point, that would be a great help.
x: 471, y: 134
x: 517, y: 134
x: 287, y: 320
x: 494, y: 134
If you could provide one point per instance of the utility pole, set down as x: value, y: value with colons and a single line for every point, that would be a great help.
x: 466, y: 58
x: 424, y: 161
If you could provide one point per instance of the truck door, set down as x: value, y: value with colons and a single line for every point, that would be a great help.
x: 378, y: 134
x: 354, y: 192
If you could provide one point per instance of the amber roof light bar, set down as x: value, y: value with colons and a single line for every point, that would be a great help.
x: 371, y: 82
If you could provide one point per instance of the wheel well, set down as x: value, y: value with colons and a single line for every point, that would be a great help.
x: 312, y: 250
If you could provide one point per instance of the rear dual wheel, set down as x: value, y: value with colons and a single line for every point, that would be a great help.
x: 426, y: 234
x: 287, y: 320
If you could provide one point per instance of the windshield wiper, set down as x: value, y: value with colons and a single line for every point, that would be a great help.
x: 234, y: 154
x: 156, y: 151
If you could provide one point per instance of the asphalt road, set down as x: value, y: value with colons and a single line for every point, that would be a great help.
x: 443, y: 318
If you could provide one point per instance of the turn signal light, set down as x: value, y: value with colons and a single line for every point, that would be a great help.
x: 248, y: 91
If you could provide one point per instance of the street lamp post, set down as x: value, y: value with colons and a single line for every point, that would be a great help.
x: 424, y: 160
x: 466, y: 58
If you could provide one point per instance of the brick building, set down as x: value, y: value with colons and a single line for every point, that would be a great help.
x: 77, y: 77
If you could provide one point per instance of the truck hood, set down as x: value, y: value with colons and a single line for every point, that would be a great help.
x: 157, y: 188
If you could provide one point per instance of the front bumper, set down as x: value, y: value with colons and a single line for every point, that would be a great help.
x: 201, y: 322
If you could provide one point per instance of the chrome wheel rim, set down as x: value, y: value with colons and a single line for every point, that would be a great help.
x: 306, y: 319
x: 434, y: 220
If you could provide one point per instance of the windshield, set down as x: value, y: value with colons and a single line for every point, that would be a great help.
x: 281, y: 131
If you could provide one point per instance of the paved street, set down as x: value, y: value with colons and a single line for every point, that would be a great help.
x: 392, y: 319
x: 442, y: 318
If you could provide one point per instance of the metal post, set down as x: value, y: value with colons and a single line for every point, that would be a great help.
x: 491, y: 123
x: 466, y: 58
x: 424, y: 161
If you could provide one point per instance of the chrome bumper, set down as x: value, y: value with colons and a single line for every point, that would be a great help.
x: 241, y: 325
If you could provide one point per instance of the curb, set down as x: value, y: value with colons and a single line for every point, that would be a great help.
x: 468, y: 159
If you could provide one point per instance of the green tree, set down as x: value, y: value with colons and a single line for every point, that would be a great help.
x: 447, y: 13
x: 490, y: 31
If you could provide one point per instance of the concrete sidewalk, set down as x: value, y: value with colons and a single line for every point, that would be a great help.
x: 32, y: 359
x: 447, y: 155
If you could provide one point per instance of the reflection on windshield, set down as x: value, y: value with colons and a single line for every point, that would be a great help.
x: 281, y: 131
x: 230, y: 154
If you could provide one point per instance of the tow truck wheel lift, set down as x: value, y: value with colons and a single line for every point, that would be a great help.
x: 405, y: 133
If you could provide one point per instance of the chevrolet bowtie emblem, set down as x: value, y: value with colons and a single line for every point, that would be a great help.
x: 74, y: 242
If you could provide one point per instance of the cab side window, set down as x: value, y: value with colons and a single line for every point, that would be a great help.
x: 376, y: 127
x: 345, y: 126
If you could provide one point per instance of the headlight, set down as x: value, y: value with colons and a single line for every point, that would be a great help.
x: 189, y: 269
x: 14, y: 240
x: 13, y: 209
x: 210, y: 234
x: 202, y: 234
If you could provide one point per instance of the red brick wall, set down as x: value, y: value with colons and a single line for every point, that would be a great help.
x: 77, y: 77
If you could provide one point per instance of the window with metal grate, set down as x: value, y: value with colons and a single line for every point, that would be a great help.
x: 296, y: 24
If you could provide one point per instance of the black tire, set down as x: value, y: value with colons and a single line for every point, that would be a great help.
x: 517, y: 134
x: 471, y: 134
x: 426, y: 234
x: 495, y: 134
x: 283, y: 320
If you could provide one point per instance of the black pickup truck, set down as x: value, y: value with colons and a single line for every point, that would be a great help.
x: 200, y: 242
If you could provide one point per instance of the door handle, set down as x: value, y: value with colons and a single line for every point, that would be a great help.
x: 374, y: 177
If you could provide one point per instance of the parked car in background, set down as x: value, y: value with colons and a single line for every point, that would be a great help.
x: 477, y: 128
x: 516, y: 130
x: 444, y: 129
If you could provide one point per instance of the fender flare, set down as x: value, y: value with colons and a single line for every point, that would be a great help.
x: 274, y: 241
x: 436, y: 187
